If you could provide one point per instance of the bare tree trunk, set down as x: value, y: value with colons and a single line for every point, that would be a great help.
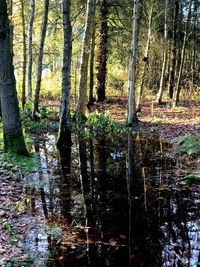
x: 12, y: 130
x: 145, y: 60
x: 24, y: 55
x: 64, y: 127
x: 174, y: 50
x: 92, y: 55
x: 178, y: 88
x: 81, y: 107
x: 40, y: 59
x: 132, y: 115
x: 162, y: 79
x: 102, y: 52
x: 30, y: 51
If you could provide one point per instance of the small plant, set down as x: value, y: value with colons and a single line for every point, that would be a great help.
x: 189, y: 144
x: 192, y: 178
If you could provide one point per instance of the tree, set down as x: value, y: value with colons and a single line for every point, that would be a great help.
x: 102, y: 52
x: 12, y: 130
x: 24, y: 54
x: 162, y: 79
x: 132, y: 115
x: 145, y: 59
x: 92, y: 57
x: 30, y: 52
x: 64, y: 128
x: 40, y: 59
x: 174, y: 49
x: 182, y: 58
x: 89, y: 23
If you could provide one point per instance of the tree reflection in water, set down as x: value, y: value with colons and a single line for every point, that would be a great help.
x: 121, y: 206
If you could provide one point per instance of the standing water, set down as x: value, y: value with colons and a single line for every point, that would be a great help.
x: 104, y: 202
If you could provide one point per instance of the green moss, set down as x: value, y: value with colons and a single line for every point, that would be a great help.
x: 14, y: 143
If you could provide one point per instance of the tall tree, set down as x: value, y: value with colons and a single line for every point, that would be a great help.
x: 174, y: 49
x: 12, y: 130
x: 91, y: 74
x: 132, y: 115
x: 145, y: 59
x: 40, y: 60
x: 24, y: 54
x: 102, y: 52
x: 89, y: 23
x: 179, y: 74
x: 162, y: 78
x: 30, y: 50
x: 64, y: 128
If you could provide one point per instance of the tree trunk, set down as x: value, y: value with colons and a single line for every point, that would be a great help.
x: 132, y: 115
x: 145, y: 61
x: 178, y: 88
x: 81, y: 107
x: 12, y: 131
x: 174, y: 51
x: 64, y: 127
x: 40, y: 59
x: 24, y: 55
x: 102, y: 52
x: 162, y: 79
x: 92, y: 55
x: 30, y: 51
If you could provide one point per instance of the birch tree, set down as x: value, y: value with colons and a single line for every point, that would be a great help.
x: 40, y: 60
x: 132, y: 115
x: 162, y: 79
x: 81, y: 106
x: 145, y: 59
x: 12, y: 130
x: 64, y: 127
x: 30, y: 50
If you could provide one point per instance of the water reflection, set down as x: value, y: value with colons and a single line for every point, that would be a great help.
x: 102, y: 203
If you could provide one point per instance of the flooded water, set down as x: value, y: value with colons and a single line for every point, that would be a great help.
x: 115, y: 203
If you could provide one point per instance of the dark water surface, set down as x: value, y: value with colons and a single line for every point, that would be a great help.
x: 116, y: 203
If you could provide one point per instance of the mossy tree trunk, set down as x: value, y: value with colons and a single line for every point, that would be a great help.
x: 12, y: 130
x: 102, y: 52
x: 64, y: 128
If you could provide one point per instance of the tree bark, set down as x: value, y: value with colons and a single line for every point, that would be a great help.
x: 81, y: 107
x: 174, y: 50
x: 132, y: 115
x: 145, y: 60
x: 64, y: 127
x: 12, y: 131
x: 178, y: 88
x: 24, y: 55
x: 30, y: 51
x: 162, y: 79
x: 40, y: 59
x: 102, y: 53
x: 92, y: 56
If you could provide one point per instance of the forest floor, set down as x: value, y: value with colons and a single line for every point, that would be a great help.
x: 163, y: 121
